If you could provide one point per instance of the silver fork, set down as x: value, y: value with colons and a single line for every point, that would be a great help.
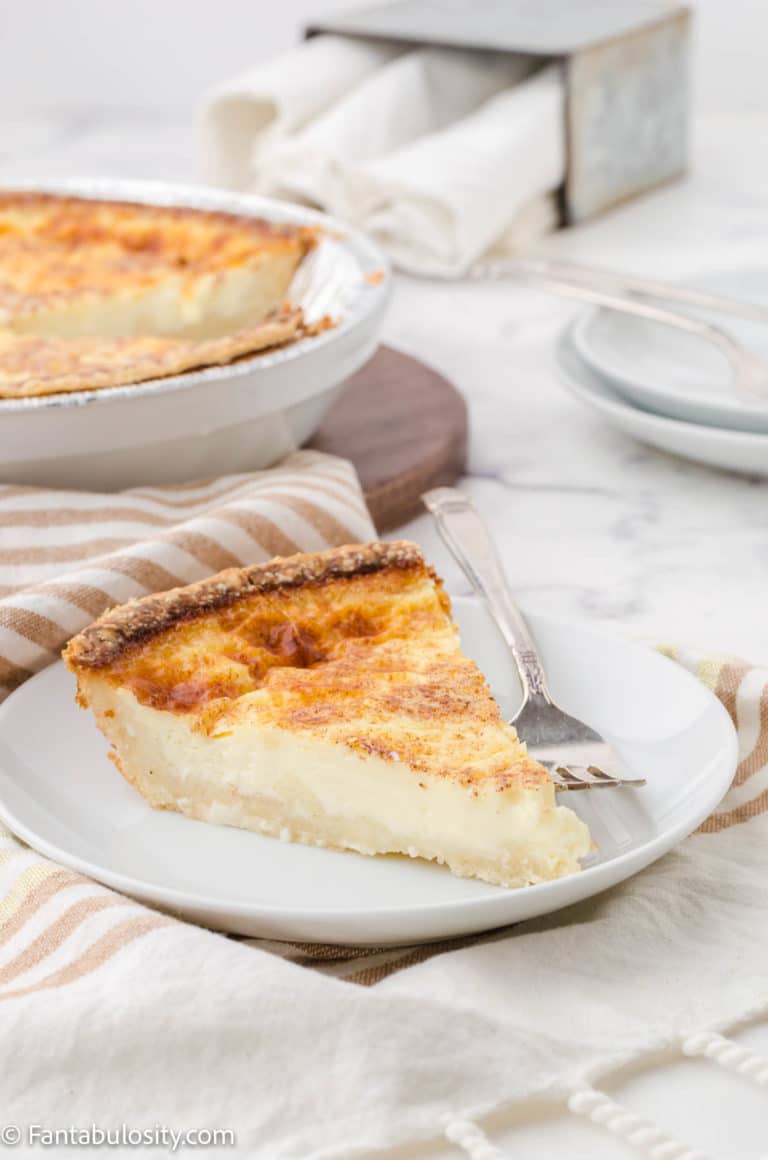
x: 628, y: 294
x: 576, y: 756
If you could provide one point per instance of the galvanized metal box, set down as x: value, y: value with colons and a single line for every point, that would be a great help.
x: 625, y: 66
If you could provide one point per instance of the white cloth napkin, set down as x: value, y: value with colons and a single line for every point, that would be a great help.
x: 440, y: 154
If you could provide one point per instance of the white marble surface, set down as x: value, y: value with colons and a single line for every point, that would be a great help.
x: 591, y: 525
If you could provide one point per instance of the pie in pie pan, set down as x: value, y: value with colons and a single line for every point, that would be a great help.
x: 103, y: 293
x: 154, y: 333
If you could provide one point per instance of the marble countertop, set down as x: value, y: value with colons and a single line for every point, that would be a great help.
x: 591, y: 525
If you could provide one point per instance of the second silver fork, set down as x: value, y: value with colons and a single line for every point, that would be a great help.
x: 576, y: 756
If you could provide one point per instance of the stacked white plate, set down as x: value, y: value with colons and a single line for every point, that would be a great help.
x: 671, y: 389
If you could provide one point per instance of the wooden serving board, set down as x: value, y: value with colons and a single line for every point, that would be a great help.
x: 404, y: 427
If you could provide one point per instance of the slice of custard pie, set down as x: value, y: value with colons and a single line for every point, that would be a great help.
x: 324, y: 699
x: 100, y: 293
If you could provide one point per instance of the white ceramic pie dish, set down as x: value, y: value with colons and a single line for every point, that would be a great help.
x: 225, y: 419
x: 60, y: 794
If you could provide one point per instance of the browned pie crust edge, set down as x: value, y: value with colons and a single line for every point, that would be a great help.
x: 131, y: 624
x: 260, y: 226
x: 172, y: 357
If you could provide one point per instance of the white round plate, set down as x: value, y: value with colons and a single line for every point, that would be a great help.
x: 743, y: 451
x: 220, y: 420
x: 60, y: 794
x: 674, y: 373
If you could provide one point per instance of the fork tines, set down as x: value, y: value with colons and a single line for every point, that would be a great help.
x: 587, y: 777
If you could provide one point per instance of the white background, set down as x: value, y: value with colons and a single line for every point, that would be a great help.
x: 87, y: 56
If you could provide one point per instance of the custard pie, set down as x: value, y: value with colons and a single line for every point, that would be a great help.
x: 101, y: 293
x: 325, y: 699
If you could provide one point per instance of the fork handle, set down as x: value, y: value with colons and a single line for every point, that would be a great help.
x: 470, y: 543
x: 615, y: 282
x: 738, y: 359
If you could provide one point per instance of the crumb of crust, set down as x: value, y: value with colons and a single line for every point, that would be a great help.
x: 375, y: 277
x: 311, y: 329
x: 137, y: 621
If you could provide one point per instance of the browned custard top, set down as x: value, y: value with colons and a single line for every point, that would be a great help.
x: 355, y: 645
